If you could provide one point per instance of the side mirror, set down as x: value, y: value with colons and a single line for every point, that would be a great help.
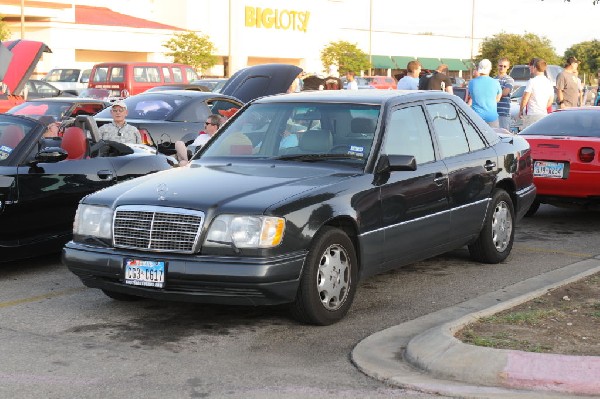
x: 51, y: 155
x: 389, y: 163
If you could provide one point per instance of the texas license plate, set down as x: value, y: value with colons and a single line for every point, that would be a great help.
x: 548, y: 169
x: 147, y: 273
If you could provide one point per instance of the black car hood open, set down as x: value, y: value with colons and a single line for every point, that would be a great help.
x: 260, y: 80
x: 25, y: 56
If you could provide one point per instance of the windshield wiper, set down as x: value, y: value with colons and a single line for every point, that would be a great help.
x: 317, y: 157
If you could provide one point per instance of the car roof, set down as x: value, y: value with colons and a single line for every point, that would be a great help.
x: 66, y: 100
x: 357, y: 96
x: 183, y: 93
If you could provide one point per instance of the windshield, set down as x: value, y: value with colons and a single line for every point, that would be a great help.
x: 577, y: 123
x: 304, y: 131
x: 12, y: 132
x: 62, y: 75
x: 154, y: 106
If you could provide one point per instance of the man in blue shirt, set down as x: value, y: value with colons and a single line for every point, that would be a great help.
x: 484, y: 94
x: 506, y: 83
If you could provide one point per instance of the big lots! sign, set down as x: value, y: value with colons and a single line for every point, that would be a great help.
x: 276, y: 19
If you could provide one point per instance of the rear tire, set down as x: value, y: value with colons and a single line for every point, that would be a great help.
x: 121, y: 297
x: 329, y: 279
x: 496, y: 238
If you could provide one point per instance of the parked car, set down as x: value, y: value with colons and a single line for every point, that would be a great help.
x: 458, y: 82
x: 565, y: 147
x: 43, y: 179
x: 171, y: 115
x: 190, y: 86
x: 382, y: 82
x: 40, y: 89
x: 376, y: 179
x: 125, y: 79
x: 212, y: 84
x: 521, y: 73
x: 360, y: 81
x: 69, y: 80
x: 60, y: 108
x: 24, y: 56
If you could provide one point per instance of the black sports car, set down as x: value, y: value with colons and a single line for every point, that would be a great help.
x: 42, y: 179
x: 300, y: 196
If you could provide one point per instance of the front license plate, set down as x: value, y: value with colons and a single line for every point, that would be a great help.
x: 548, y: 169
x: 147, y: 273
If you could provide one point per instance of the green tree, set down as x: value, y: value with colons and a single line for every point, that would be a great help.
x: 588, y: 53
x: 189, y: 48
x: 4, y: 31
x: 347, y: 57
x: 519, y: 49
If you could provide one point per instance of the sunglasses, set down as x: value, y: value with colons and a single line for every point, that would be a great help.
x: 209, y: 123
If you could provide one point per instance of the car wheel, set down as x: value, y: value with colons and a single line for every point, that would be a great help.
x: 496, y: 239
x: 533, y: 208
x: 121, y: 297
x: 329, y: 279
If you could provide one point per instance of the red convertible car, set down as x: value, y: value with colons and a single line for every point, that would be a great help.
x: 565, y: 147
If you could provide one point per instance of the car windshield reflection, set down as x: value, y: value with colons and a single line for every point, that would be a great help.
x: 299, y: 131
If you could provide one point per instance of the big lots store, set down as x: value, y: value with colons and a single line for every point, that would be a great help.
x: 249, y: 32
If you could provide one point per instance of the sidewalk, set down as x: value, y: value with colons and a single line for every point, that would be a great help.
x: 423, y: 354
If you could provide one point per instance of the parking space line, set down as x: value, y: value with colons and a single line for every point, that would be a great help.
x: 554, y: 251
x: 40, y: 297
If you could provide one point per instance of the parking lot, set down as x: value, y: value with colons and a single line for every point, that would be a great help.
x: 59, y: 339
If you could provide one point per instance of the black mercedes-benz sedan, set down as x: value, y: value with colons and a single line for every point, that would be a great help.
x: 300, y: 196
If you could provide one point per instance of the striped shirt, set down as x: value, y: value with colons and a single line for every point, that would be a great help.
x: 504, y: 104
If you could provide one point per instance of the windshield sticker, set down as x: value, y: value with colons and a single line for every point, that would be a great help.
x: 356, y: 150
x: 4, y: 152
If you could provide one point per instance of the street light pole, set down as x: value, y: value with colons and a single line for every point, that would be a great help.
x: 22, y: 19
x: 370, y: 34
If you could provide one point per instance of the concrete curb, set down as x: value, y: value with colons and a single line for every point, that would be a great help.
x: 423, y: 354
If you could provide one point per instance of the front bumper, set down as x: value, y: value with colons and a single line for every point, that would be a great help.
x: 192, y: 278
x: 525, y: 198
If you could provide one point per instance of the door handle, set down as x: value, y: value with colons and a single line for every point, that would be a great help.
x: 489, y: 165
x: 439, y: 179
x: 106, y: 175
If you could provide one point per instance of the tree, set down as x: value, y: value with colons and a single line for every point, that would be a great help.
x: 588, y: 53
x: 191, y: 49
x: 346, y: 56
x: 4, y: 31
x: 519, y: 49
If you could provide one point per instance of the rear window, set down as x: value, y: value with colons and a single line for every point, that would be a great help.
x: 520, y: 72
x: 62, y: 75
x: 577, y: 123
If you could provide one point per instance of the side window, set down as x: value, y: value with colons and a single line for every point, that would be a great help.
x: 100, y: 75
x: 448, y: 127
x: 190, y: 74
x: 167, y: 74
x: 408, y: 134
x: 473, y: 137
x: 146, y: 74
x: 177, y: 75
x: 116, y: 74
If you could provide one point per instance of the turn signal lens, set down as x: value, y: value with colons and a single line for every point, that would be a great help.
x: 586, y: 154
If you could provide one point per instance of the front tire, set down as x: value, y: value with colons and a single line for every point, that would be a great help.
x: 329, y: 279
x: 496, y: 239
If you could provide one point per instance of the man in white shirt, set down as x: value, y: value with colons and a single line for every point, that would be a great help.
x: 212, y: 124
x: 352, y: 85
x: 538, y: 96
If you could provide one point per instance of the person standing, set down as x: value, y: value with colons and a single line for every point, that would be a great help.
x: 438, y: 80
x: 484, y: 93
x: 538, y: 96
x: 568, y: 85
x: 411, y: 80
x: 119, y: 130
x: 352, y: 85
x: 506, y: 83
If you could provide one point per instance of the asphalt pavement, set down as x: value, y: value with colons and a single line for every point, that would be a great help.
x: 423, y: 354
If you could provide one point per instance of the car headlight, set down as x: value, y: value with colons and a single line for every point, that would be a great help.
x: 246, y: 231
x: 95, y: 221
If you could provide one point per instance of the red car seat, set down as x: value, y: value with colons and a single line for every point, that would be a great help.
x: 75, y: 143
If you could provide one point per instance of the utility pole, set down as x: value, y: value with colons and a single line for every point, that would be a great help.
x: 22, y: 19
x: 472, y: 34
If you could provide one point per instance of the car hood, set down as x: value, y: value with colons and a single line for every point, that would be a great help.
x: 25, y: 56
x: 260, y: 80
x: 247, y: 187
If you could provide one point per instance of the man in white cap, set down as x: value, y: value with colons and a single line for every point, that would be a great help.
x: 484, y: 94
x: 119, y: 130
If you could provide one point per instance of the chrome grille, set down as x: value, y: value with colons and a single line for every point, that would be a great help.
x: 157, y: 228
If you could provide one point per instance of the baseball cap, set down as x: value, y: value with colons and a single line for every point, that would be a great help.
x: 119, y: 103
x: 485, y: 66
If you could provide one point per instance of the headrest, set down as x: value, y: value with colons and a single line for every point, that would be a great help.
x: 318, y: 141
x: 362, y: 125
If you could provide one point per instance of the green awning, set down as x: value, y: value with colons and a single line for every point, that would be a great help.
x: 382, y: 61
x: 468, y: 64
x: 429, y: 63
x: 402, y: 61
x: 454, y: 64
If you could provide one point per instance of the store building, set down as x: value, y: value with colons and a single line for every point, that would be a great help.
x: 245, y: 33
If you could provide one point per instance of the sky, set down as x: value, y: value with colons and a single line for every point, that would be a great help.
x: 564, y: 23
